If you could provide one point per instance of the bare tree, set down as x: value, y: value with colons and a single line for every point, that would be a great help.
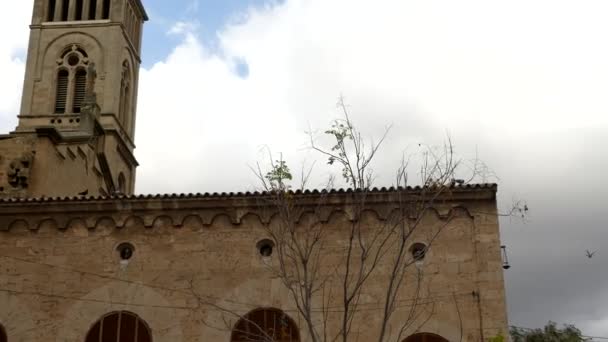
x: 301, y: 248
x: 324, y: 292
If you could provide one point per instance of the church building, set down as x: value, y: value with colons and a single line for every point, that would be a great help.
x: 82, y: 258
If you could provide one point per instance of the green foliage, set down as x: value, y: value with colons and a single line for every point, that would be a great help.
x: 279, y: 174
x: 550, y: 333
x: 341, y: 131
x: 497, y: 338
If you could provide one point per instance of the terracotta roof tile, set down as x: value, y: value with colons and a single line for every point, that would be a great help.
x: 487, y: 186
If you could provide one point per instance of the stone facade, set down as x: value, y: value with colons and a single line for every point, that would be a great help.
x: 76, y: 246
x: 61, y: 270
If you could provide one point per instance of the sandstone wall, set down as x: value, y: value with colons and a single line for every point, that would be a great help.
x: 51, y: 170
x: 60, y: 271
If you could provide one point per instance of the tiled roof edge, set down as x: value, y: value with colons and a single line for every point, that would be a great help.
x: 223, y: 195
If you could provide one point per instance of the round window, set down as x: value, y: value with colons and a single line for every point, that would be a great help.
x: 125, y: 251
x: 265, y: 247
x: 73, y: 59
x: 418, y: 251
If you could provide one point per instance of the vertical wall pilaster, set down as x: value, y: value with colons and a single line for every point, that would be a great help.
x: 99, y: 9
x: 58, y: 10
x: 86, y: 7
x: 72, y: 10
x: 69, y: 103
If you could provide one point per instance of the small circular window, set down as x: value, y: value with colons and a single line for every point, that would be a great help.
x: 265, y: 247
x: 125, y: 251
x: 418, y: 251
x: 73, y: 59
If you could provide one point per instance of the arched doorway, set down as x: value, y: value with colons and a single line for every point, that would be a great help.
x: 263, y: 325
x: 425, y: 337
x: 2, y: 334
x: 120, y: 326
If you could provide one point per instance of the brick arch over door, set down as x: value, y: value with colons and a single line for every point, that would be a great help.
x: 265, y: 324
x: 425, y: 337
x: 120, y: 326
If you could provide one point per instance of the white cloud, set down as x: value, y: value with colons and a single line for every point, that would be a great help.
x: 183, y: 28
x: 491, y: 73
x: 12, y: 65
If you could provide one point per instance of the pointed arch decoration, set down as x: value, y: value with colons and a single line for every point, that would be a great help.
x: 265, y: 324
x: 121, y: 326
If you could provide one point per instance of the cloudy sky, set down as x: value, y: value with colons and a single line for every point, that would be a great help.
x: 523, y: 84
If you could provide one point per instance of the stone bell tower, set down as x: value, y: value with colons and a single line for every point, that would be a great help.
x: 77, y: 122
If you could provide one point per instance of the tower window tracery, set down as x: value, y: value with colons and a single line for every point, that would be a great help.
x: 71, y: 81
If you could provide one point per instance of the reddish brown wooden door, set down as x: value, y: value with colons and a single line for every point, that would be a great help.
x: 425, y: 337
x: 120, y: 326
x: 264, y: 325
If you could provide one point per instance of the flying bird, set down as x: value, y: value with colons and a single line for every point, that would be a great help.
x: 590, y: 254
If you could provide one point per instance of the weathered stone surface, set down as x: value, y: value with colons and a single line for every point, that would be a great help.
x: 69, y: 271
